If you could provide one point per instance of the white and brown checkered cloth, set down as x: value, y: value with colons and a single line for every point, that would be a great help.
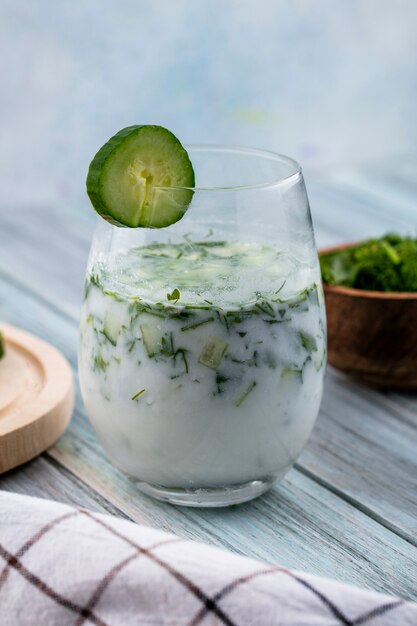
x: 69, y: 566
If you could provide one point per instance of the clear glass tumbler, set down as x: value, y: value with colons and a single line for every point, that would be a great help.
x: 202, y: 345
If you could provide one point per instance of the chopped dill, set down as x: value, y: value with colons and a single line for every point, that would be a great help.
x: 245, y: 394
x: 139, y: 393
x: 308, y: 342
x: 196, y: 324
x: 99, y: 364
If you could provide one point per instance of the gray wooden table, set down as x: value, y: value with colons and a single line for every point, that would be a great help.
x: 349, y: 508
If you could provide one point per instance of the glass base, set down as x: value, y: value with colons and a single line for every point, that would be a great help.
x: 214, y: 497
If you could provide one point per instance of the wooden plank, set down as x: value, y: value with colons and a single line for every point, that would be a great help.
x: 299, y: 524
x: 44, y: 478
x: 364, y: 446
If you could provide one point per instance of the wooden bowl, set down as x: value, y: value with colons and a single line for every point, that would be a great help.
x: 372, y: 335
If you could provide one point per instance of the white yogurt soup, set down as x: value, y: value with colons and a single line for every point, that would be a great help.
x: 201, y: 363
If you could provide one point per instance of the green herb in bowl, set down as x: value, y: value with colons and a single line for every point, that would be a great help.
x: 387, y: 264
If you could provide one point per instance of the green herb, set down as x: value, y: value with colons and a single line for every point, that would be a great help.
x: 91, y: 281
x: 99, y: 364
x: 192, y: 326
x: 223, y: 318
x: 197, y: 307
x: 2, y: 349
x: 175, y: 295
x: 139, y: 393
x: 168, y: 348
x: 108, y: 336
x: 282, y: 287
x: 266, y: 308
x: 245, y: 394
x: 181, y: 352
x: 235, y: 360
x: 308, y: 342
x: 221, y: 379
x: 131, y: 344
x: 212, y: 244
x: 385, y: 264
x: 113, y: 294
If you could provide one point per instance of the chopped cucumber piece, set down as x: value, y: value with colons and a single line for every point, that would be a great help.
x: 289, y: 373
x: 2, y: 348
x: 141, y: 177
x: 290, y: 381
x: 111, y: 328
x: 151, y: 338
x: 213, y: 352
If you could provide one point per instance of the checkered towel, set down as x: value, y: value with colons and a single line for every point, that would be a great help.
x: 65, y: 566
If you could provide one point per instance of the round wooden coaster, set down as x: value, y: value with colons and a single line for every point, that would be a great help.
x: 36, y: 397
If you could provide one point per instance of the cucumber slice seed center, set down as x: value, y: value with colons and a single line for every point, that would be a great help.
x: 130, y: 177
x: 141, y: 181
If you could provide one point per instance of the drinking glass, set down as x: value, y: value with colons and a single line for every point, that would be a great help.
x: 202, y: 345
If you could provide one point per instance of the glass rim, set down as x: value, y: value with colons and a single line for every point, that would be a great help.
x: 293, y: 176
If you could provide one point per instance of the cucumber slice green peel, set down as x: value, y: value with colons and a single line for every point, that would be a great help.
x: 141, y: 177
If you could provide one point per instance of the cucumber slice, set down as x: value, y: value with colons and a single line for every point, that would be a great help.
x: 111, y: 328
x: 151, y: 338
x: 213, y: 352
x: 2, y: 349
x: 138, y: 178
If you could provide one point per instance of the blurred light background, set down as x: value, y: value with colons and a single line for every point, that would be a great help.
x: 329, y: 82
